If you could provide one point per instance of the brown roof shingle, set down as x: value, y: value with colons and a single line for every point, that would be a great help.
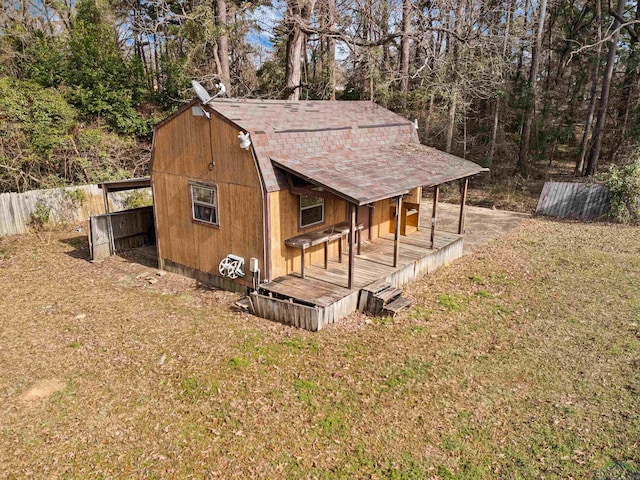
x: 300, y: 129
x: 367, y: 174
x: 359, y: 150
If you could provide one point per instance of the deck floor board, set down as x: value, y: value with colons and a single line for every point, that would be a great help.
x: 323, y: 287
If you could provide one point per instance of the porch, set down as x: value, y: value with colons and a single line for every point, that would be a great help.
x: 324, y: 296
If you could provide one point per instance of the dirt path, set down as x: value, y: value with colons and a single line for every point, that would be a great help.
x: 482, y: 224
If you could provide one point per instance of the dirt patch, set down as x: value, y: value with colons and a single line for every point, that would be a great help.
x: 43, y: 389
x: 482, y: 225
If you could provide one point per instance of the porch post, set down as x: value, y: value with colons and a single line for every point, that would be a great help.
x: 105, y: 196
x: 352, y: 236
x: 464, y: 184
x: 436, y: 196
x: 396, y: 234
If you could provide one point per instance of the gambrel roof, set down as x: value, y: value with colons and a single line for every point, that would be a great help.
x: 358, y: 150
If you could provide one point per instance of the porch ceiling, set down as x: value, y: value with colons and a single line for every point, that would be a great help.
x: 368, y: 174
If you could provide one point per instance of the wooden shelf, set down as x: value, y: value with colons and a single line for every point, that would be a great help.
x: 409, y: 218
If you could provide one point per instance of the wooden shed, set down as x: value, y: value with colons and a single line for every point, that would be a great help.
x: 322, y: 204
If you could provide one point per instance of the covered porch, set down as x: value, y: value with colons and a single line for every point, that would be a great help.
x: 324, y: 295
x: 389, y: 181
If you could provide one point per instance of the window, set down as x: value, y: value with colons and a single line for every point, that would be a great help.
x: 311, y: 210
x: 204, y: 200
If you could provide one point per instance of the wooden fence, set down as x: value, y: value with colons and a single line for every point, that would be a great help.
x: 63, y: 204
x: 574, y: 200
x: 119, y: 231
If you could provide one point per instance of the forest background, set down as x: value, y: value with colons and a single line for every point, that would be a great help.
x: 533, y: 89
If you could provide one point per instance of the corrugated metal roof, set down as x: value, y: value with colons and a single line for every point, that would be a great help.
x: 366, y: 174
x: 574, y: 200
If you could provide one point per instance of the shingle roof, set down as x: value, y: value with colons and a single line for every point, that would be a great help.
x: 359, y: 150
x: 367, y: 174
x: 301, y: 129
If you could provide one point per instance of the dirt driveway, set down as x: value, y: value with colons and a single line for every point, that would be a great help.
x: 482, y: 224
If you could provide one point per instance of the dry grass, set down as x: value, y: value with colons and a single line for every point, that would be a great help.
x: 521, y: 360
x: 505, y: 190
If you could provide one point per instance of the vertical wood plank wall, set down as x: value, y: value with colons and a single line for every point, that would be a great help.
x: 285, y: 210
x: 184, y: 148
x: 284, y: 224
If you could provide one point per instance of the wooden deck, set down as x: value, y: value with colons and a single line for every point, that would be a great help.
x: 323, y: 297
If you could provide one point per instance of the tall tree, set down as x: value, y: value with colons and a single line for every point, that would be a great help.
x: 405, y: 45
x: 596, y: 145
x: 223, y: 43
x: 525, y: 138
x: 298, y: 14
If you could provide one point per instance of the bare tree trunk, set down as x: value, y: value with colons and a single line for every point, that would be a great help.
x: 405, y: 46
x: 299, y: 10
x: 593, y: 95
x: 452, y: 121
x: 223, y: 44
x: 525, y: 139
x: 596, y: 145
x: 328, y: 49
x: 496, y: 108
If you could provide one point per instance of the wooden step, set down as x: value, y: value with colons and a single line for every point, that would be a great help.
x: 381, y: 287
x: 244, y: 304
x: 395, y: 306
x: 388, y: 295
x: 378, y: 300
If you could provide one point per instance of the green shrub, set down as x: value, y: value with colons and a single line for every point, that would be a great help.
x: 40, y: 216
x: 138, y: 198
x: 624, y: 190
x: 76, y: 197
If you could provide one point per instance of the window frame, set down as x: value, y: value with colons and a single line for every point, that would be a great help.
x: 215, y: 206
x: 321, y: 203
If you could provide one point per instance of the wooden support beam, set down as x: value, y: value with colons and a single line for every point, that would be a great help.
x: 326, y: 255
x: 419, y: 202
x: 464, y: 185
x: 112, y: 243
x: 434, y: 212
x: 302, y: 264
x: 396, y: 234
x: 352, y: 238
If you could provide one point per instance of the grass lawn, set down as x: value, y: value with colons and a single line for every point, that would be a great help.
x: 521, y: 360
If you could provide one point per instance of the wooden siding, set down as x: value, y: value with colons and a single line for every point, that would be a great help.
x: 302, y: 316
x: 285, y: 210
x: 284, y: 224
x: 382, y: 217
x: 574, y: 200
x: 183, y: 151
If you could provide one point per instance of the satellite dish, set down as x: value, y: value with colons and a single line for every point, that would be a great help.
x: 201, y: 92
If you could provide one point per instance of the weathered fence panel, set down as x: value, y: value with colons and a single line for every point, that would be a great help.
x: 16, y: 209
x: 120, y: 231
x: 574, y: 200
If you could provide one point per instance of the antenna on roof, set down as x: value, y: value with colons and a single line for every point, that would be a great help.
x: 204, y: 96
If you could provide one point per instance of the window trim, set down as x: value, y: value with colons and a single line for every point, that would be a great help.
x: 301, y: 209
x: 216, y: 206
